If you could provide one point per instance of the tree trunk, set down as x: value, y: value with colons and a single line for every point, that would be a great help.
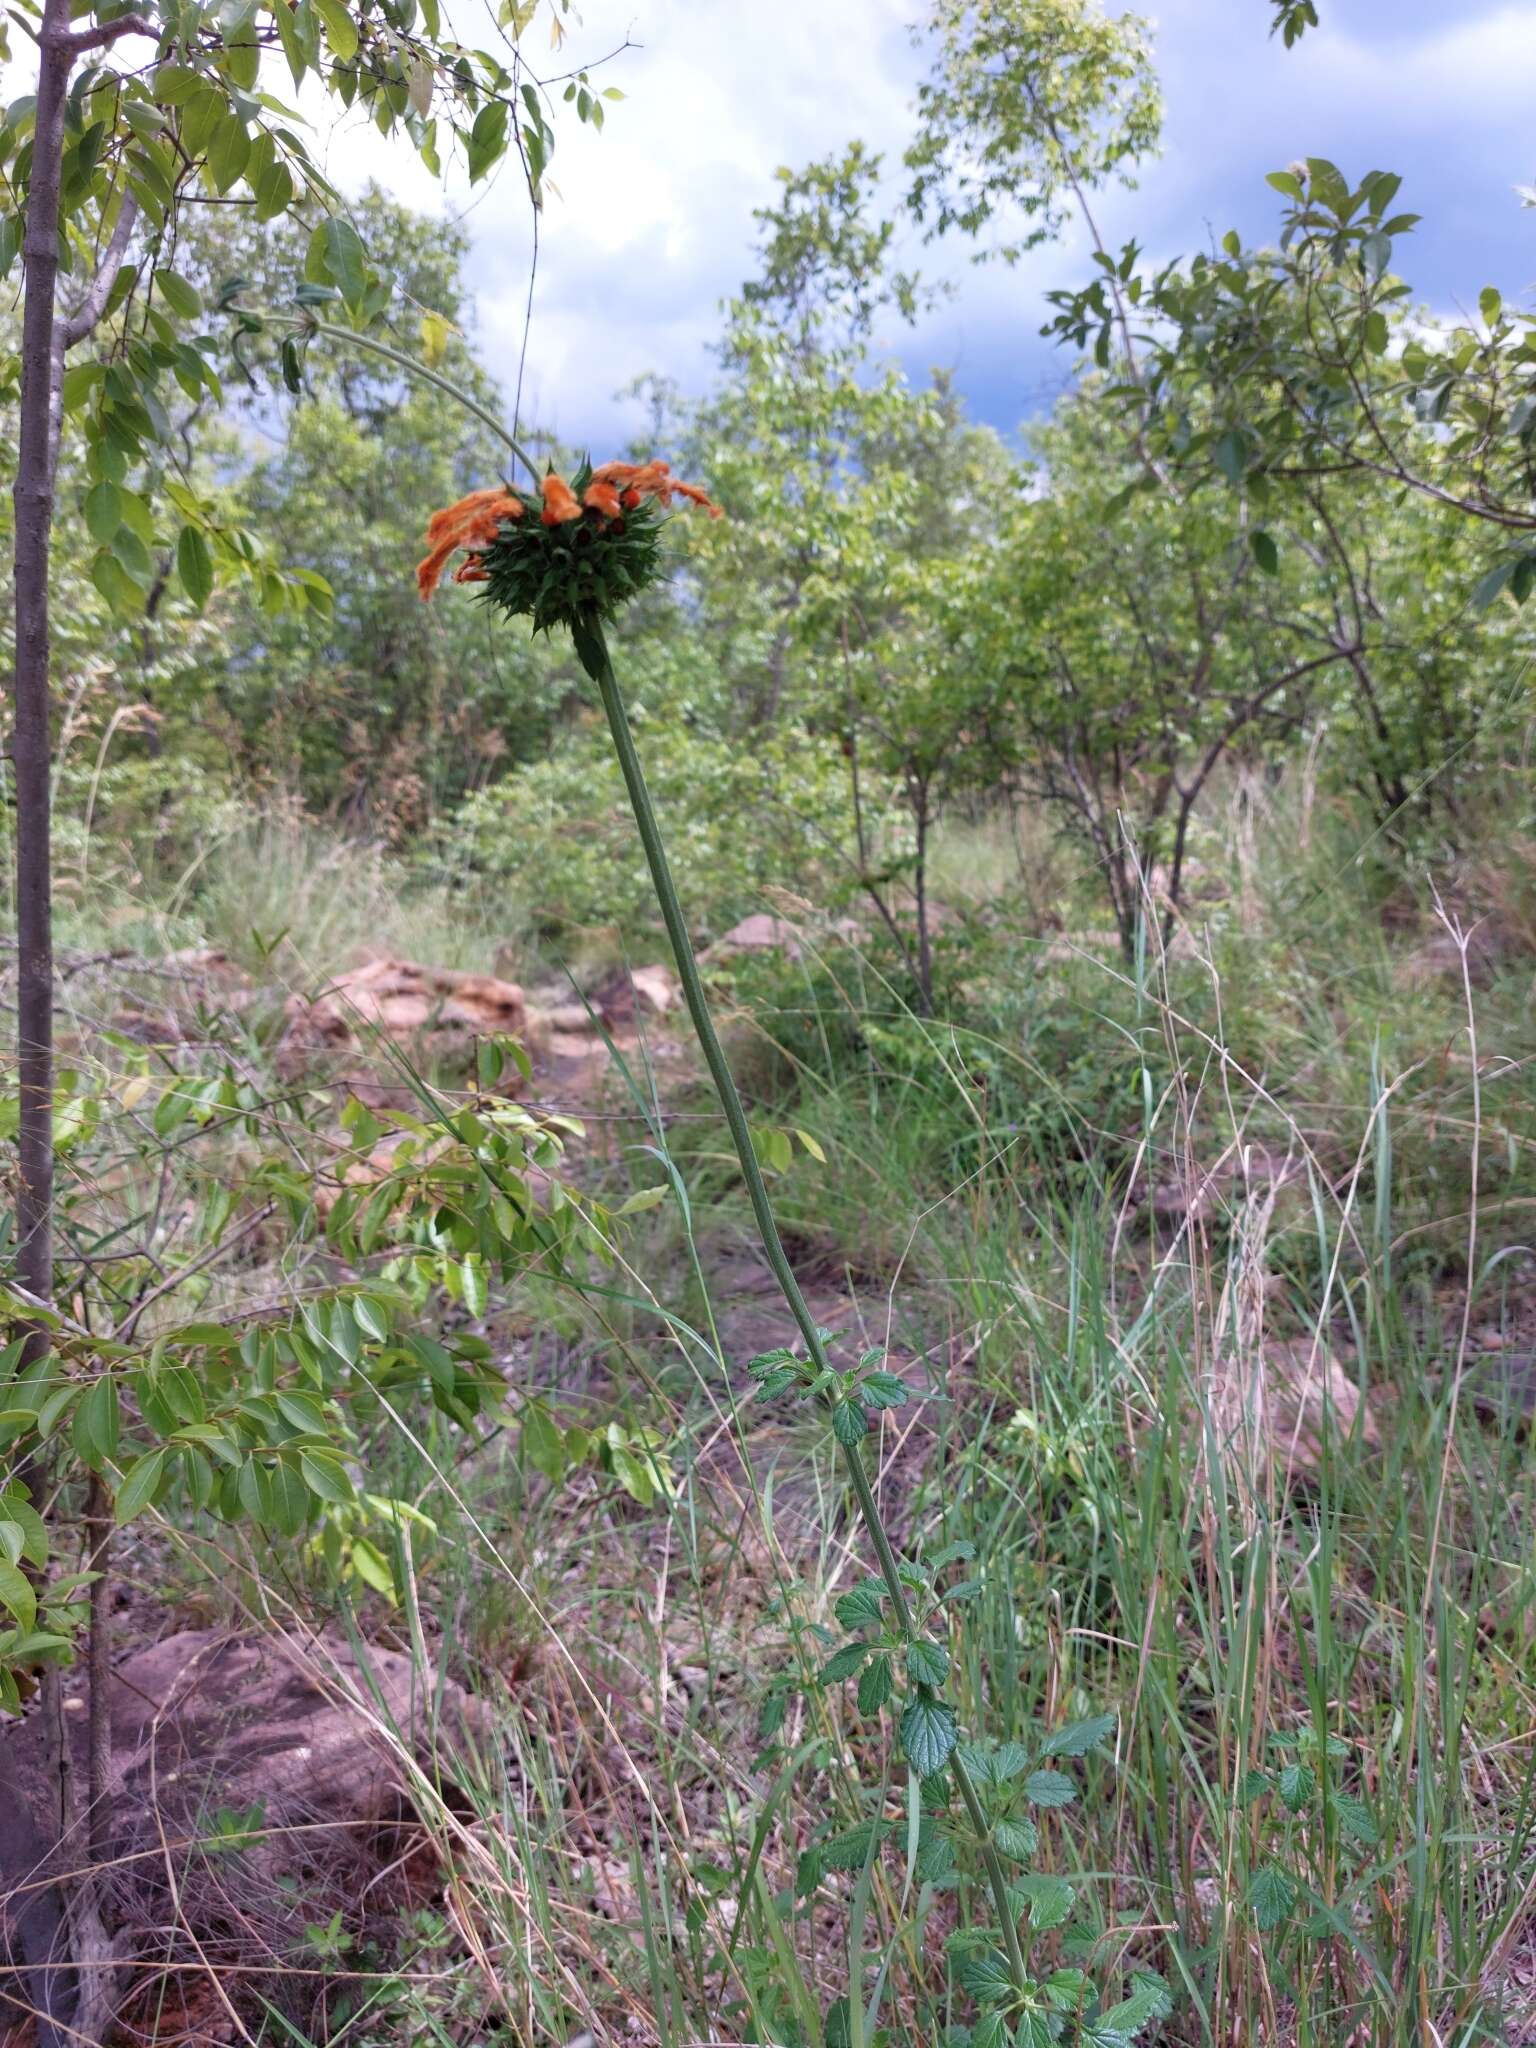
x: 920, y: 891
x: 31, y: 744
x: 41, y: 1926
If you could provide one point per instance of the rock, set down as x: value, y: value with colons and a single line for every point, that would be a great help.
x: 1282, y: 1406
x: 1240, y: 1174
x: 1438, y: 957
x: 759, y: 933
x: 434, y: 1009
x: 258, y: 1782
x: 626, y: 994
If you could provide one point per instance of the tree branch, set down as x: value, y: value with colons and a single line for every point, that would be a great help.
x: 104, y: 34
x: 77, y: 325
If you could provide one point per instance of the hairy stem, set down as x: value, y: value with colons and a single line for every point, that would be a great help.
x: 401, y: 360
x: 592, y: 650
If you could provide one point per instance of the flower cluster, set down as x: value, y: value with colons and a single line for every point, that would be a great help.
x: 574, y: 554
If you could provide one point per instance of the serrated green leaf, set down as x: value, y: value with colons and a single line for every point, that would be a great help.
x: 928, y: 1734
x: 1049, y: 1788
x: 1050, y: 1899
x: 1272, y: 1895
x: 1296, y: 1785
x: 1077, y: 1738
x: 986, y: 1976
x: 927, y: 1663
x: 875, y: 1686
x: 1356, y: 1819
x: 851, y: 1850
x: 861, y: 1606
x: 850, y: 1425
x: 843, y: 1663
x: 1017, y: 1839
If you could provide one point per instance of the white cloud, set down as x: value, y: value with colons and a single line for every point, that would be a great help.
x: 652, y: 224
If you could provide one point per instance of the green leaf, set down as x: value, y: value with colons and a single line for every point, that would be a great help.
x: 336, y: 250
x: 885, y: 1390
x: 1050, y: 1900
x: 1122, y: 2023
x: 851, y: 1849
x: 987, y: 1977
x: 843, y: 1663
x: 875, y: 1686
x: 139, y: 1485
x: 301, y: 1411
x: 372, y: 1568
x: 927, y: 1663
x: 1356, y: 1819
x: 860, y: 1607
x: 1077, y: 1738
x: 928, y: 1734
x: 326, y: 1476
x: 1265, y: 553
x: 1017, y: 1839
x: 1490, y: 303
x: 476, y: 1288
x: 181, y: 298
x: 1231, y: 453
x: 1296, y: 1785
x: 103, y: 511
x: 1049, y: 1788
x: 229, y: 151
x: 486, y: 142
x: 194, y: 565
x: 340, y: 28
x: 1491, y: 585
x: 34, y: 1530
x: 17, y: 1594
x: 1272, y: 1895
x: 850, y: 1425
x: 98, y: 1421
x: 116, y: 585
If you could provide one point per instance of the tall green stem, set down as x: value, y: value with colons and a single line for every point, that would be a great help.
x: 592, y: 650
x: 371, y: 346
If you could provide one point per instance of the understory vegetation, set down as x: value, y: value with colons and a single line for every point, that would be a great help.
x: 1032, y: 1540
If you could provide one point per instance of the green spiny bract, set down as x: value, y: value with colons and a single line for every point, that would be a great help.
x: 578, y: 572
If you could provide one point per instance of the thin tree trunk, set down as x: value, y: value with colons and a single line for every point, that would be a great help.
x: 45, y: 338
x: 920, y: 890
x: 31, y: 746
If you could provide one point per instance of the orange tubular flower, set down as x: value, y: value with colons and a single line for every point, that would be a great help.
x: 560, y: 504
x: 602, y: 497
x: 472, y: 523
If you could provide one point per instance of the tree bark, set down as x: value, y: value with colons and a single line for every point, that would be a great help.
x: 45, y: 338
x: 31, y: 743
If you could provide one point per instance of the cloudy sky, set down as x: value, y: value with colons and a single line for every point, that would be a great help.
x: 653, y: 222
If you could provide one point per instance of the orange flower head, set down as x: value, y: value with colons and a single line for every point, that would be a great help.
x: 525, y: 564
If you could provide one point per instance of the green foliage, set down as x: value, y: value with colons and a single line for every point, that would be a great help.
x: 557, y: 833
x: 1030, y: 103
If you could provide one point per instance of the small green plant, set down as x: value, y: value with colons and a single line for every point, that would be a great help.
x: 1311, y: 1836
